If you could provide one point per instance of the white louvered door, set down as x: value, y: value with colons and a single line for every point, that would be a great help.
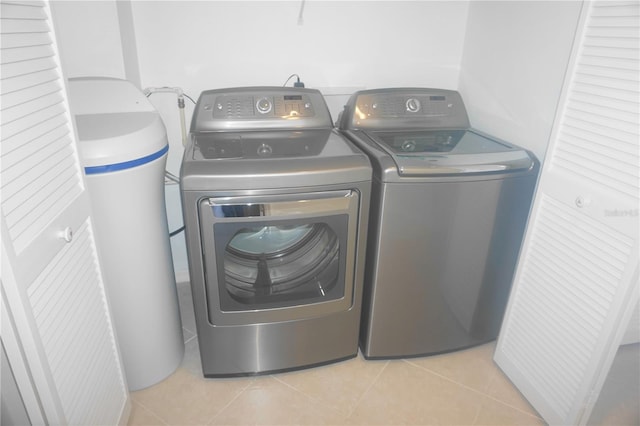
x: 51, y: 280
x: 577, y: 279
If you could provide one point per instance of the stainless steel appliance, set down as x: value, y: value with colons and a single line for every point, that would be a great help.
x: 275, y: 202
x: 448, y: 211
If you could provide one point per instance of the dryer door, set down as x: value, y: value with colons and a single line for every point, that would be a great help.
x: 279, y: 257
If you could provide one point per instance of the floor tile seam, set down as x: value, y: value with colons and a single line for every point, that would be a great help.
x: 447, y: 378
x: 275, y: 376
x: 189, y: 330
x: 306, y: 395
x: 153, y: 413
x: 477, y: 416
x: 191, y: 338
x: 494, y: 377
x: 366, y: 391
x: 454, y: 382
x: 479, y: 392
x: 535, y: 416
x: 236, y: 396
x: 506, y: 404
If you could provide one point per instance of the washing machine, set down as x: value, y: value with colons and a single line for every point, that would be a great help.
x: 448, y: 212
x: 275, y: 203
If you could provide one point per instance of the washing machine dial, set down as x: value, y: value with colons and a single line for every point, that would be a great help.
x: 412, y: 105
x: 264, y: 105
x: 409, y: 145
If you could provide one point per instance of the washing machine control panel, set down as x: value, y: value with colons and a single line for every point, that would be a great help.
x: 392, y: 106
x: 399, y: 108
x: 247, y: 108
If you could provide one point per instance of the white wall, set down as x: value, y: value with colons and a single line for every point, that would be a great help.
x: 337, y: 47
x: 507, y: 58
x: 515, y: 57
x: 203, y: 45
x: 88, y: 36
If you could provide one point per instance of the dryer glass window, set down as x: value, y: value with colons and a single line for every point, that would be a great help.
x: 270, y: 265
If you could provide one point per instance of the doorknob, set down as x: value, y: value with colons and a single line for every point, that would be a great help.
x: 66, y: 234
x: 582, y: 201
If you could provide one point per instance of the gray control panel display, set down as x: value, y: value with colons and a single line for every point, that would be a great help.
x: 377, y: 106
x: 260, y: 108
x: 247, y: 106
x: 404, y: 108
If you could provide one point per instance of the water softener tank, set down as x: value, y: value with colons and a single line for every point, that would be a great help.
x: 123, y: 150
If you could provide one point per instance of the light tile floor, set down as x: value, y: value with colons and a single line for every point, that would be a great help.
x: 461, y: 388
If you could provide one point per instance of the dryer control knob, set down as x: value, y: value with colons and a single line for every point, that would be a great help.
x: 412, y: 105
x: 264, y: 150
x: 263, y: 105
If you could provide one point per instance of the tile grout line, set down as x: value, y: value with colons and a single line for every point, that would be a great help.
x: 486, y: 395
x: 189, y: 302
x: 312, y: 398
x: 493, y: 378
x: 153, y: 413
x: 373, y: 382
x: 231, y: 401
x: 190, y: 338
x: 273, y: 376
x: 475, y: 419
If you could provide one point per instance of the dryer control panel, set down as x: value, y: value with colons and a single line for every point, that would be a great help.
x: 404, y: 108
x: 234, y: 107
x: 260, y: 108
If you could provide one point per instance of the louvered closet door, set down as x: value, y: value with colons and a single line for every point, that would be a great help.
x: 51, y: 280
x: 577, y: 279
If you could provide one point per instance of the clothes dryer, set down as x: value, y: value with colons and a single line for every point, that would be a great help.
x: 276, y: 203
x: 448, y: 212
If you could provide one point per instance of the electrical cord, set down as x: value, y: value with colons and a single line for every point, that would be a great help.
x: 168, y: 175
x: 301, y: 13
x: 176, y: 232
x: 298, y: 83
x: 175, y: 179
x: 171, y: 177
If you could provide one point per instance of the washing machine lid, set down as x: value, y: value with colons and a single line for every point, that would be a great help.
x: 447, y: 152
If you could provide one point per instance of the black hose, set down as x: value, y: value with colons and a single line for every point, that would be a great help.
x: 176, y: 232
